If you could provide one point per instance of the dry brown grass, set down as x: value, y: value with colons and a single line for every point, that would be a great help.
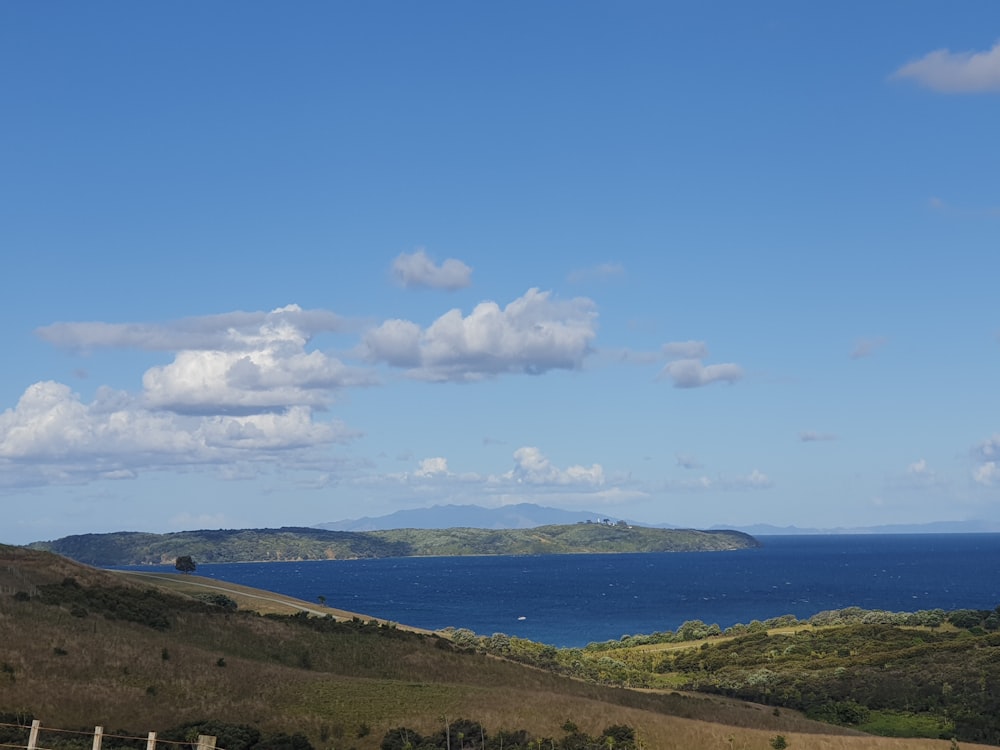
x: 114, y: 673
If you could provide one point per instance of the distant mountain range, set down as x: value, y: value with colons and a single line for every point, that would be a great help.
x: 529, y: 515
x: 941, y: 527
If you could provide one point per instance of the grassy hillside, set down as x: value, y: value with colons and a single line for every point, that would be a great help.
x: 243, y: 545
x: 82, y: 647
x: 923, y: 674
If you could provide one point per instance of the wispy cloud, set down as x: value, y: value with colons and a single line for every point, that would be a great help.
x: 867, y: 347
x: 755, y: 480
x: 234, y: 330
x: 812, y: 436
x: 955, y: 72
x: 687, y: 461
x: 599, y: 272
x: 963, y: 212
x: 417, y: 270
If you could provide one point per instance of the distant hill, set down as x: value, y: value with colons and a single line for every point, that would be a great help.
x: 248, y: 545
x: 940, y: 527
x: 520, y: 516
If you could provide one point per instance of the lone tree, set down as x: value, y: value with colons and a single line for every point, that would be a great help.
x: 185, y: 564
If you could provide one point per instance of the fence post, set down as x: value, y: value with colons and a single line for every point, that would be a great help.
x: 98, y: 736
x: 206, y: 742
x: 151, y: 741
x: 33, y: 735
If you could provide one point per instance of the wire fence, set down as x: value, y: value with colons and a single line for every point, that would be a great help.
x: 36, y: 737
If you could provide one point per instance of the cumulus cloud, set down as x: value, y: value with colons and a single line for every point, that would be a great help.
x: 532, y: 334
x: 231, y: 364
x: 242, y: 387
x: 417, y: 270
x: 52, y: 436
x: 986, y: 457
x: 430, y: 467
x: 686, y: 369
x: 531, y: 466
x: 987, y: 473
x: 867, y: 347
x: 224, y: 331
x: 955, y: 72
x: 273, y: 372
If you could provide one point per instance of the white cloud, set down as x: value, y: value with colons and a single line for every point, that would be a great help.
x: 207, y: 332
x: 531, y: 466
x: 691, y: 373
x: 755, y: 480
x: 532, y: 334
x: 414, y: 270
x: 986, y: 457
x: 233, y: 363
x: 686, y: 369
x: 955, y: 72
x: 987, y: 473
x: 274, y: 373
x: 430, y: 467
x: 51, y: 436
x: 919, y: 475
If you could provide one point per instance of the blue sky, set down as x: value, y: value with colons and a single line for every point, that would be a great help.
x: 700, y: 264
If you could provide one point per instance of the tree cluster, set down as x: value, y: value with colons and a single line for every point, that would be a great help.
x: 464, y: 734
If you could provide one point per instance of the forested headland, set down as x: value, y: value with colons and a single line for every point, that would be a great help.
x: 301, y: 543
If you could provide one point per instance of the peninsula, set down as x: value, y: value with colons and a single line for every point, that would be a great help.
x: 303, y: 543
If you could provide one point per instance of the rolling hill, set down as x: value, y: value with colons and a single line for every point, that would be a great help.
x: 84, y: 647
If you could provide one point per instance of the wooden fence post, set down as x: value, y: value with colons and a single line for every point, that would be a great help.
x: 151, y: 741
x: 206, y: 742
x: 33, y: 735
x: 98, y: 736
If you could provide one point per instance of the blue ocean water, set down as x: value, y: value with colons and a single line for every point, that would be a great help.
x: 572, y: 600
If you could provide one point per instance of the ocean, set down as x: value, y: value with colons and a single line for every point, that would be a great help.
x: 572, y: 600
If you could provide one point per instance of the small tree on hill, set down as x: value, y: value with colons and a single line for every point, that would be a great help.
x: 185, y: 564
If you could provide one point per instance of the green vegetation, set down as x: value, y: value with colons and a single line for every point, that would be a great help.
x: 463, y: 733
x: 928, y: 674
x: 84, y: 647
x: 243, y: 545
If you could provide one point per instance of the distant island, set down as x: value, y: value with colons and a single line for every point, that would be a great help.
x: 296, y: 543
